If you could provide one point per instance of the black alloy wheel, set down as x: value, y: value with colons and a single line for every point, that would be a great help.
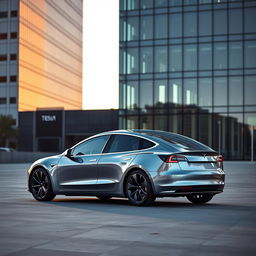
x: 200, y: 198
x: 40, y: 185
x: 138, y: 189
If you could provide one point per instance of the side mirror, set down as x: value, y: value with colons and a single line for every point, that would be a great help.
x: 67, y: 153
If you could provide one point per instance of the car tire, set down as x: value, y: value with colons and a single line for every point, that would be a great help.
x: 40, y: 185
x: 104, y: 198
x: 200, y: 198
x: 139, y: 189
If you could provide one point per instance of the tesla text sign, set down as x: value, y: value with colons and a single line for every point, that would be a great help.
x: 49, y: 123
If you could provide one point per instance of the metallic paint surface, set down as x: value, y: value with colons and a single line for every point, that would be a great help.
x: 105, y: 175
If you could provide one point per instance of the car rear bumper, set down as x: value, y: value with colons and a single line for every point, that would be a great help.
x: 179, y: 183
x: 188, y: 190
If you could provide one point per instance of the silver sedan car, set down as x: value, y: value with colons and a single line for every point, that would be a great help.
x: 138, y: 164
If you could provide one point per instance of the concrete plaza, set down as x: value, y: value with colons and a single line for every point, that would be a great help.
x: 87, y: 226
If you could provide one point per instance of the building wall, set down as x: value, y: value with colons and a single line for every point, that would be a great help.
x: 50, y: 54
x: 8, y: 56
x: 64, y: 130
x: 189, y: 67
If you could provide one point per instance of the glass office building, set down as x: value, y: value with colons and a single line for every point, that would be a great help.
x: 190, y: 67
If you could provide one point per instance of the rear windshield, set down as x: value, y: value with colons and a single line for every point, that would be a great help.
x: 177, y: 141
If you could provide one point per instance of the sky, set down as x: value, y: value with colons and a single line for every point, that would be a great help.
x: 100, y: 54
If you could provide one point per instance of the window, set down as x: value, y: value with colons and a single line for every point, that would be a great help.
x: 146, y: 144
x: 250, y: 90
x: 178, y: 141
x: 220, y: 91
x: 146, y: 95
x: 146, y: 4
x: 250, y: 53
x: 132, y: 4
x: 161, y: 3
x: 146, y: 60
x: 3, y: 100
x: 3, y: 57
x: 146, y: 122
x: 14, y: 13
x: 205, y: 92
x: 190, y: 57
x: 146, y: 25
x: 205, y: 56
x: 190, y: 92
x: 175, y: 58
x: 161, y: 26
x: 220, y: 22
x: 13, y: 78
x: 161, y: 59
x: 205, y: 23
x: 235, y: 90
x: 132, y: 95
x: 13, y: 100
x: 190, y: 27
x: 13, y: 56
x: 175, y: 91
x: 160, y: 93
x: 3, y: 36
x: 220, y: 56
x: 235, y: 55
x: 235, y: 21
x: 92, y: 146
x: 132, y: 28
x: 122, y: 143
x: 175, y: 25
x: 249, y: 20
x: 132, y: 61
x: 3, y: 15
x: 14, y: 35
x: 3, y: 79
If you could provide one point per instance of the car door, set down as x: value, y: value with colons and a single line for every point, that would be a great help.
x: 79, y: 171
x: 116, y: 158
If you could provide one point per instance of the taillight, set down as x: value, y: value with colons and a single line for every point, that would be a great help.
x: 220, y: 158
x: 176, y: 159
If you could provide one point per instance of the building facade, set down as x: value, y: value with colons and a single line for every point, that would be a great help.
x: 189, y: 67
x: 57, y: 130
x: 40, y: 55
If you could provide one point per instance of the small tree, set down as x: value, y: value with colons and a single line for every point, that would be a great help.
x: 7, y: 130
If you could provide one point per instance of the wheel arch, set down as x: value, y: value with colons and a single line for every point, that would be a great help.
x: 134, y: 168
x: 33, y: 169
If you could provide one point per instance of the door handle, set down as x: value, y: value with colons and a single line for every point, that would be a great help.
x: 92, y: 160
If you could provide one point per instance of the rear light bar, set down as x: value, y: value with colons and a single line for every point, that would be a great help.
x: 176, y: 159
x: 220, y: 158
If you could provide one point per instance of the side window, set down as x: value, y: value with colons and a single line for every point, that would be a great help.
x: 92, y: 146
x: 123, y: 143
x: 146, y: 144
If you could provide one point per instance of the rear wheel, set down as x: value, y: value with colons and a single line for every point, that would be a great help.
x: 40, y: 185
x: 138, y: 189
x: 200, y: 198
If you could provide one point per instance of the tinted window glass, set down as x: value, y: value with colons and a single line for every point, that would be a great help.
x: 177, y: 141
x: 146, y: 144
x: 92, y: 146
x: 123, y: 143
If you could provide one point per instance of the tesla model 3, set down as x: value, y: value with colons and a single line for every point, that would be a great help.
x: 137, y: 164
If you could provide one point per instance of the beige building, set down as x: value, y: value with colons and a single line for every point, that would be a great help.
x: 40, y: 55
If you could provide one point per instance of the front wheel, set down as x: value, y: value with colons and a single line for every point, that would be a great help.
x: 200, y: 198
x: 138, y: 189
x: 40, y: 185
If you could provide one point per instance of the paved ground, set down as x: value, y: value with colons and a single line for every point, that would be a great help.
x: 86, y: 226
